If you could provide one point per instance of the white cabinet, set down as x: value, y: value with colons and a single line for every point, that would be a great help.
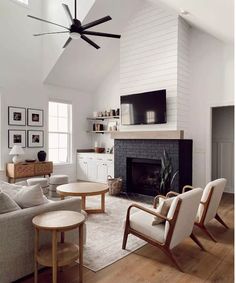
x: 95, y: 167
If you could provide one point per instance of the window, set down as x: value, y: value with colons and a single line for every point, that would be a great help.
x: 60, y: 132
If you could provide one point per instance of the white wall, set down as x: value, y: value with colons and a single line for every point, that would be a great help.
x: 148, y: 59
x: 21, y: 79
x: 211, y: 84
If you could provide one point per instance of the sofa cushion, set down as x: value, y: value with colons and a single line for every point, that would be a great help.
x: 163, y: 209
x: 10, y: 189
x: 7, y: 204
x: 30, y: 196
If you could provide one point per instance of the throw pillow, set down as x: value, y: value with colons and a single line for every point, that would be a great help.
x: 163, y: 208
x: 7, y: 204
x: 10, y: 189
x: 30, y: 196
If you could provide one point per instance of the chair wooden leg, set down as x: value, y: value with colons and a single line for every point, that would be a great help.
x: 125, y: 237
x: 195, y: 239
x: 207, y: 233
x: 171, y: 256
x: 219, y: 219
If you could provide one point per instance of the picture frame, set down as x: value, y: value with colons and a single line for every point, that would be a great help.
x: 35, y: 117
x: 35, y: 139
x: 16, y: 137
x: 16, y: 116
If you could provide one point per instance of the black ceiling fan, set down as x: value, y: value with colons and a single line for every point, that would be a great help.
x: 76, y: 29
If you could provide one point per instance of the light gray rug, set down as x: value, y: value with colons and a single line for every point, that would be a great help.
x: 105, y: 233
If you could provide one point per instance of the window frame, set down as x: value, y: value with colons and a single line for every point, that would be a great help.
x: 69, y: 133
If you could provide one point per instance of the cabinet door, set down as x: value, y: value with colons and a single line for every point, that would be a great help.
x: 82, y: 169
x: 110, y: 169
x: 92, y: 169
x: 101, y: 172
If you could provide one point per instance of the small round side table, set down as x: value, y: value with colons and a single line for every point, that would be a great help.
x: 59, y: 253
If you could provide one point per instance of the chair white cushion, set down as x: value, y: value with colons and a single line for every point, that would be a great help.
x: 218, y: 190
x: 186, y: 216
x: 7, y: 204
x: 142, y: 222
x: 30, y: 196
x: 163, y: 209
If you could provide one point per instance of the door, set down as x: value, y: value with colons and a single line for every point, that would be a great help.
x: 223, y: 145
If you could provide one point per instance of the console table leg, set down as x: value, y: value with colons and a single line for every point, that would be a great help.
x: 54, y: 256
x: 81, y: 243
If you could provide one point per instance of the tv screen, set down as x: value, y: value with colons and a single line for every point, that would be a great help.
x: 144, y: 108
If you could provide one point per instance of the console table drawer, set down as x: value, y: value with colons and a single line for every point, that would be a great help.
x: 44, y: 168
x: 23, y: 170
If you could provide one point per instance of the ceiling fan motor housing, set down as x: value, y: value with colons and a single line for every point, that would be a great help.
x: 76, y: 26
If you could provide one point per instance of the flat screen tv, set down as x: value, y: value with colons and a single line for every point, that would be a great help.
x: 144, y: 108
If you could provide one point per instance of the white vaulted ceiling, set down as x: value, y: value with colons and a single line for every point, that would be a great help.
x: 215, y: 17
x: 83, y: 67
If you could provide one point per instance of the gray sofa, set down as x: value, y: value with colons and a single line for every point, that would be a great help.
x: 17, y: 238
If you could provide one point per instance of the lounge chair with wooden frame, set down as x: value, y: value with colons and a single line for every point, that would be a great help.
x: 209, y: 204
x: 178, y: 223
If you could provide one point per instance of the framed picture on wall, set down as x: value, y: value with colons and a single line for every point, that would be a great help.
x: 16, y: 137
x: 35, y: 117
x: 35, y: 139
x: 16, y: 116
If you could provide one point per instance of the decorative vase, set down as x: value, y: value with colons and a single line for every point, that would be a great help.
x: 42, y: 155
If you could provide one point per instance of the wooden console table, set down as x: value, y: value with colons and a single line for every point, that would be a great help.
x: 28, y: 169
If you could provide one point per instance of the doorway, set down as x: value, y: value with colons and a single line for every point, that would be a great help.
x: 223, y: 145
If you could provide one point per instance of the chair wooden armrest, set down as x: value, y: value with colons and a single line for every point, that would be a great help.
x: 187, y: 188
x: 156, y: 200
x: 171, y: 193
x: 146, y: 210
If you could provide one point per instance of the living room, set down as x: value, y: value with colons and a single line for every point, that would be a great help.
x: 184, y: 53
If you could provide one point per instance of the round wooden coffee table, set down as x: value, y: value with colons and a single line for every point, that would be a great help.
x: 63, y: 253
x: 83, y: 190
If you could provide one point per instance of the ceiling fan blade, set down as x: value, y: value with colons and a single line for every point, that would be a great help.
x: 38, y: 34
x: 45, y: 21
x: 67, y: 42
x: 101, y: 34
x: 97, y: 22
x: 68, y: 13
x: 90, y: 41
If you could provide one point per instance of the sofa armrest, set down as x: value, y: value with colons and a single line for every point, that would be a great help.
x: 17, y: 237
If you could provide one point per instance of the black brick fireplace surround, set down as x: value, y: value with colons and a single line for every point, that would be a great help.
x: 180, y: 152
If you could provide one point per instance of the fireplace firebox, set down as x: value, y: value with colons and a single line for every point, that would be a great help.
x: 143, y: 176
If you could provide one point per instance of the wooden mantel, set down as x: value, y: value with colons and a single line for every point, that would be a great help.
x: 148, y: 135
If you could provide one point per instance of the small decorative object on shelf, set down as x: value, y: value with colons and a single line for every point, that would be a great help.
x: 118, y: 112
x: 42, y: 155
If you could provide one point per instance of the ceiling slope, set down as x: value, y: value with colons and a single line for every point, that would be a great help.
x: 83, y: 67
x: 215, y: 17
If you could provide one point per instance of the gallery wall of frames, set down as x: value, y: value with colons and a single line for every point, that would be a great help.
x: 21, y: 118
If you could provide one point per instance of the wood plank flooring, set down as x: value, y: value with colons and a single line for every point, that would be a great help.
x: 150, y: 265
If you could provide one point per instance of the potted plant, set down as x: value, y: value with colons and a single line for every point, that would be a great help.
x: 167, y: 176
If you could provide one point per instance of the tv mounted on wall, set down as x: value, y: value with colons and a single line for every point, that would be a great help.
x: 144, y: 108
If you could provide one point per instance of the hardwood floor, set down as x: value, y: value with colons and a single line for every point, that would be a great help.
x: 150, y: 265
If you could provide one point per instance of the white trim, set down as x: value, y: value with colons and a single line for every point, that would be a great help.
x: 209, y: 135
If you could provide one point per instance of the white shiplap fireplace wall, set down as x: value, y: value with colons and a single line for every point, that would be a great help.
x: 149, y: 60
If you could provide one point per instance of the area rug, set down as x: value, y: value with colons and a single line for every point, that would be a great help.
x: 105, y: 234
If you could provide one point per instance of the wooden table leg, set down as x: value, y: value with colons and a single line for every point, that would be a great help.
x: 83, y: 204
x: 103, y: 202
x: 54, y: 256
x: 36, y: 248
x: 81, y: 243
